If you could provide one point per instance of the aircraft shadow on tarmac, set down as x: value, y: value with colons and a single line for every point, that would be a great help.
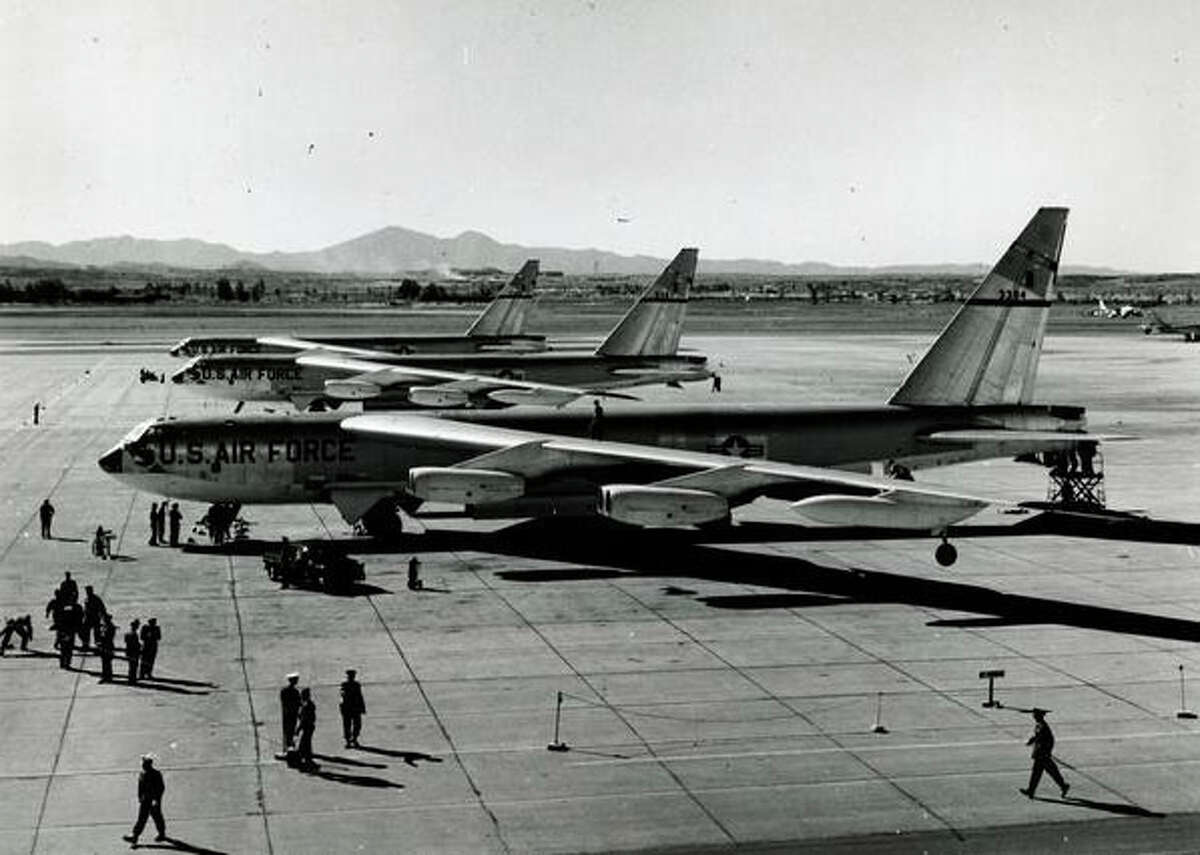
x: 696, y: 554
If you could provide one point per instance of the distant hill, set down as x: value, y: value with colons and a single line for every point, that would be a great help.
x: 393, y: 250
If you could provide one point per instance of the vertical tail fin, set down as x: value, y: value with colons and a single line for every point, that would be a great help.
x: 505, y: 315
x: 988, y: 354
x: 653, y: 326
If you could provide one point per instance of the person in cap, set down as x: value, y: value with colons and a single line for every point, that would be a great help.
x: 352, y: 708
x: 1043, y: 759
x: 289, y: 703
x: 151, y: 788
x: 307, y: 724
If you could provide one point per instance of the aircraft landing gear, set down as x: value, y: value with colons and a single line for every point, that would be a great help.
x: 945, y: 554
x: 383, y: 521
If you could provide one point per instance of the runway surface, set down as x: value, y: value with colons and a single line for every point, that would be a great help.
x: 717, y: 694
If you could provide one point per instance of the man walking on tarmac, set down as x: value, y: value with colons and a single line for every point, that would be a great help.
x: 46, y: 514
x: 1043, y: 748
x: 289, y: 704
x: 151, y: 788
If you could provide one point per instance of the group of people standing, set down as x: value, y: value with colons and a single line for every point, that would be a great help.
x: 90, y: 622
x: 160, y: 534
x: 299, y: 717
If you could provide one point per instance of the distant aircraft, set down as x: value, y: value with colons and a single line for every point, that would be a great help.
x: 642, y: 349
x: 968, y: 398
x: 500, y: 326
x: 1103, y: 311
x: 1157, y: 326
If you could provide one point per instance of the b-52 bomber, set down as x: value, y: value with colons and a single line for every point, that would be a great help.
x: 968, y: 398
x: 642, y: 349
x: 500, y: 326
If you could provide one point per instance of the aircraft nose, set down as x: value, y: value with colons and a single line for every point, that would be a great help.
x: 111, y: 461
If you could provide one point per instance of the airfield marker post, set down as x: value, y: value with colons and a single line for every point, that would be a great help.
x: 558, y: 744
x: 991, y: 676
x: 878, y: 726
x: 1184, y: 712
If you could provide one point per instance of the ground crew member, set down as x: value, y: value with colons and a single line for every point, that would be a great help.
x: 1043, y: 748
x: 353, y: 706
x: 151, y: 634
x: 46, y: 513
x: 25, y: 630
x: 10, y: 626
x: 307, y: 718
x: 37, y: 411
x: 160, y: 523
x: 67, y: 623
x: 68, y: 589
x: 105, y: 634
x: 133, y: 650
x: 176, y: 519
x: 93, y: 612
x: 289, y: 703
x: 414, y: 574
x: 151, y: 788
x: 596, y: 426
x: 154, y: 524
x: 100, y: 543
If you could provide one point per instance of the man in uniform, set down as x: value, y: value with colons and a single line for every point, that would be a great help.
x: 307, y: 724
x: 353, y: 707
x: 105, y: 633
x: 176, y: 518
x: 414, y: 574
x: 1043, y: 747
x: 154, y: 523
x: 67, y: 624
x: 160, y: 523
x: 151, y: 788
x: 46, y: 513
x: 289, y: 703
x: 93, y: 612
x: 133, y: 649
x: 151, y: 634
x: 10, y: 626
x: 68, y: 589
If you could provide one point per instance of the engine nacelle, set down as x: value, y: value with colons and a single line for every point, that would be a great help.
x: 888, y: 510
x: 655, y: 506
x: 352, y: 390
x: 432, y: 396
x: 464, y: 486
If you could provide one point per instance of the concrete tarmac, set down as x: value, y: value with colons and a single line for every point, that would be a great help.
x: 717, y: 693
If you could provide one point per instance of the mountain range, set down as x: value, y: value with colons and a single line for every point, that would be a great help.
x: 395, y: 250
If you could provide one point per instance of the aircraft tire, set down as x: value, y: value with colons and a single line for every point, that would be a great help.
x: 945, y: 554
x: 383, y: 522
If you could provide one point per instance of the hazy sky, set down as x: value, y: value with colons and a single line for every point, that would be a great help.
x: 849, y: 132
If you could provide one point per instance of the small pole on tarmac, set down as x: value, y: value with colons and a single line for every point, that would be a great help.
x: 878, y: 726
x: 1184, y: 712
x: 557, y: 744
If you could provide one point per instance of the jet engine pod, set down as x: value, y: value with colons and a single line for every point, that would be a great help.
x: 464, y: 486
x: 351, y: 390
x: 654, y: 506
x: 894, y: 509
x: 433, y: 396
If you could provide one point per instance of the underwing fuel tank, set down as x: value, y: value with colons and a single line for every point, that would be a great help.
x: 430, y: 396
x: 660, y: 506
x: 464, y: 486
x: 888, y: 510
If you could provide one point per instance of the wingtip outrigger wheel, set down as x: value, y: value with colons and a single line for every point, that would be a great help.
x: 945, y: 554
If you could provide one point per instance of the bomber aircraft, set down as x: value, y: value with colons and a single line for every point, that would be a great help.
x: 642, y: 349
x: 969, y: 398
x: 1157, y: 326
x: 500, y: 326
